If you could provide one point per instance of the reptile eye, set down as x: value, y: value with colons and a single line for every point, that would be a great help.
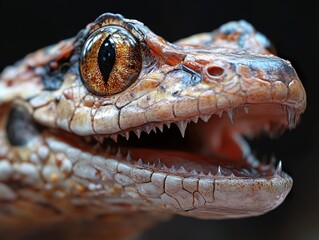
x: 110, y: 61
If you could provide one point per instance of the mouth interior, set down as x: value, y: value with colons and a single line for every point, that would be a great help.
x: 218, y: 147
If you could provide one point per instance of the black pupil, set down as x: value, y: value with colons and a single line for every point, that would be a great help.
x: 106, y: 58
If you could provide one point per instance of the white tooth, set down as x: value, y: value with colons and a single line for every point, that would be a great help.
x: 278, y: 170
x: 195, y: 119
x: 182, y: 170
x: 160, y: 127
x: 159, y: 164
x: 127, y: 135
x: 201, y: 174
x: 168, y: 125
x: 246, y: 109
x: 151, y: 165
x: 193, y: 172
x: 154, y: 129
x: 147, y: 129
x: 220, y: 114
x: 232, y: 175
x: 231, y: 115
x: 114, y: 137
x: 210, y: 174
x: 182, y: 126
x: 173, y: 169
x: 118, y: 154
x: 165, y: 167
x: 129, y: 157
x: 140, y: 162
x: 219, y: 172
x: 100, y: 139
x: 138, y: 132
x: 205, y: 118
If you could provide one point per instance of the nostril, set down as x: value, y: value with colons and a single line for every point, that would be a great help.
x: 215, y: 71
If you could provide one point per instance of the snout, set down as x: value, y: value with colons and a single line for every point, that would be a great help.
x: 257, y: 78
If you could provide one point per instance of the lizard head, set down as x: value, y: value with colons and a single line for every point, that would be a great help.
x: 100, y: 97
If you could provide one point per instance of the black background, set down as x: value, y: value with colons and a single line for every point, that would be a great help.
x: 293, y: 27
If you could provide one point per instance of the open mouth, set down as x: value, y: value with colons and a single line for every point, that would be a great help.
x: 135, y: 123
x: 208, y: 146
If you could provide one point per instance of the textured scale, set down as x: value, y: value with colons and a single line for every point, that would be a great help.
x: 59, y: 175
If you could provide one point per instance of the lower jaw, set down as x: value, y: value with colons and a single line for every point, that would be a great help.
x: 215, y: 194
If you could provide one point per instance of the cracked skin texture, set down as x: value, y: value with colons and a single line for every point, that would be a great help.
x: 58, y: 176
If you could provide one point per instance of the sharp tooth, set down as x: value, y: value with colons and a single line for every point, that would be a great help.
x: 219, y: 172
x: 193, y: 172
x: 114, y: 137
x: 147, y: 129
x: 138, y: 132
x: 126, y: 135
x: 182, y: 126
x: 159, y: 164
x: 201, y: 174
x: 182, y: 170
x: 140, y: 162
x: 173, y: 169
x: 160, y: 127
x: 195, y: 119
x: 154, y: 129
x: 231, y: 115
x: 129, y: 157
x: 291, y: 117
x: 168, y: 125
x: 210, y: 174
x: 100, y: 139
x: 246, y: 109
x: 232, y: 175
x: 220, y: 114
x: 165, y: 167
x: 278, y: 170
x: 118, y: 154
x: 205, y: 118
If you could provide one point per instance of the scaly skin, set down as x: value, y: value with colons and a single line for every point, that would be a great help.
x: 52, y: 169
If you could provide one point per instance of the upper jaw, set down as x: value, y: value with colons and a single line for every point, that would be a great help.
x: 189, y: 90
